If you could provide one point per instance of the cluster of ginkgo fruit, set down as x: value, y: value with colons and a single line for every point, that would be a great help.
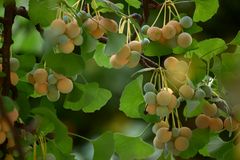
x: 6, y: 133
x: 129, y: 55
x: 14, y: 66
x: 175, y: 140
x: 51, y: 84
x: 172, y: 33
x: 66, y: 33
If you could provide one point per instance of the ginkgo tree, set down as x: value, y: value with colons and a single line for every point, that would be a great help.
x: 189, y: 79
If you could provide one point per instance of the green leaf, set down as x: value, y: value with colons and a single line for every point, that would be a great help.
x: 88, y: 97
x: 132, y: 98
x: 209, y: 48
x: 101, y: 58
x: 180, y: 50
x: 134, y: 3
x: 89, y: 44
x: 129, y: 148
x: 199, y: 139
x: 194, y: 29
x: 115, y: 43
x: 43, y: 12
x: 156, y: 49
x: 193, y: 108
x: 236, y: 40
x: 66, y: 64
x: 100, y: 144
x: 197, y: 69
x: 205, y: 9
x: 8, y: 103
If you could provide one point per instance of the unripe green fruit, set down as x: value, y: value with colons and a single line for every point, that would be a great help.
x: 175, y: 132
x: 186, y: 22
x: 144, y: 29
x: 50, y: 156
x: 150, y: 98
x: 52, y: 79
x: 181, y: 143
x: 164, y: 98
x: 185, y: 132
x: 184, y: 40
x: 207, y: 90
x: 231, y: 124
x: 66, y: 19
x: 162, y: 111
x: 168, y: 31
x: 215, y: 124
x: 145, y: 42
x: 62, y: 39
x: 176, y: 25
x: 133, y: 59
x: 186, y: 91
x: 199, y: 94
x: 40, y: 75
x: 202, y: 121
x: 171, y: 63
x: 135, y: 46
x: 78, y: 41
x: 14, y: 64
x: 210, y: 109
x: 65, y: 85
x: 154, y: 33
x: 83, y: 15
x: 58, y: 26
x: 164, y: 135
x: 149, y: 87
x: 66, y: 47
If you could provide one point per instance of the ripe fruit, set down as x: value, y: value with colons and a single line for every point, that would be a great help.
x: 133, y: 59
x: 157, y: 143
x: 145, y: 28
x: 170, y: 63
x: 97, y: 33
x: 78, y: 41
x: 135, y: 46
x: 40, y: 75
x: 108, y: 25
x: 66, y: 47
x: 162, y: 111
x: 149, y: 87
x: 154, y: 33
x: 182, y: 67
x: 161, y: 124
x: 202, y: 121
x: 65, y: 85
x: 186, y: 22
x: 215, y: 124
x: 176, y: 25
x: 184, y: 40
x: 2, y: 137
x: 41, y: 88
x: 14, y: 78
x: 168, y: 31
x: 173, y: 103
x: 181, y: 143
x: 210, y: 109
x: 72, y: 30
x: 151, y: 109
x: 164, y: 97
x: 5, y: 126
x: 164, y: 135
x: 14, y: 64
x: 186, y: 91
x: 53, y: 94
x: 115, y: 63
x: 150, y: 98
x: 185, y: 132
x: 90, y: 24
x: 124, y: 54
x: 13, y: 115
x: 231, y: 124
x: 58, y: 26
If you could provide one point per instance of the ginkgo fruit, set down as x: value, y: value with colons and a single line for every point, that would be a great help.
x: 40, y: 75
x: 97, y: 33
x: 72, y: 30
x: 168, y: 31
x: 173, y: 103
x: 53, y: 94
x: 162, y: 111
x: 78, y: 41
x: 145, y: 42
x: 181, y: 143
x: 149, y: 87
x: 4, y: 126
x: 14, y: 78
x: 151, y: 109
x: 170, y: 63
x: 115, y: 63
x: 186, y: 91
x: 52, y: 79
x: 154, y: 33
x: 175, y: 132
x: 134, y: 59
x: 176, y: 25
x: 14, y: 64
x: 231, y: 124
x: 41, y: 88
x: 161, y: 124
x: 62, y: 39
x: 157, y: 143
x: 185, y: 132
x: 150, y: 98
x: 215, y: 124
x: 210, y: 109
x: 2, y: 137
x: 67, y: 47
x: 164, y: 135
x: 202, y: 121
x: 182, y: 66
x: 164, y: 97
x: 90, y: 25
x: 108, y: 25
x: 145, y: 28
x: 135, y: 46
x: 13, y: 115
x: 65, y: 85
x: 124, y: 54
x: 186, y: 22
x: 58, y: 26
x: 184, y: 40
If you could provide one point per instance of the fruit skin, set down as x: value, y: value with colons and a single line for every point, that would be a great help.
x: 149, y: 87
x: 14, y: 64
x: 41, y: 88
x: 185, y: 132
x: 181, y: 143
x: 58, y: 26
x: 115, y: 62
x: 133, y: 59
x: 182, y: 67
x: 108, y: 25
x: 186, y: 22
x: 52, y: 79
x: 175, y: 132
x: 154, y: 33
x: 78, y: 41
x: 173, y: 103
x: 158, y: 125
x: 97, y: 33
x: 176, y: 25
x: 14, y: 78
x: 171, y: 63
x: 40, y: 75
x: 168, y: 31
x: 157, y: 143
x: 186, y: 91
x: 65, y: 85
x: 72, y: 30
x: 164, y: 135
x: 90, y: 25
x: 184, y: 40
x: 145, y: 28
x: 164, y: 98
x: 150, y: 98
x: 215, y: 124
x: 210, y: 109
x: 145, y: 42
x: 162, y: 111
x: 151, y: 109
x: 202, y: 121
x: 53, y: 94
x: 67, y: 47
x: 231, y: 124
x: 2, y: 137
x: 135, y: 46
